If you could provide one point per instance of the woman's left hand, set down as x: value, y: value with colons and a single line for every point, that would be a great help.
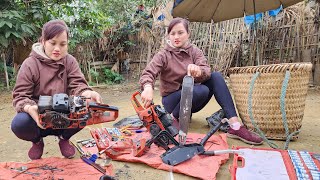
x: 194, y: 70
x: 93, y: 95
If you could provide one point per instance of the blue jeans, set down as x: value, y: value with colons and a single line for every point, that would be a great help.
x: 202, y: 94
x: 25, y: 128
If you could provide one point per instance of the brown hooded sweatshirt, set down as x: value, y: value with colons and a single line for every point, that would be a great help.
x: 171, y: 64
x: 40, y: 75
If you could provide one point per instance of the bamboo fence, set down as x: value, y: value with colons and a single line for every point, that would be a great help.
x: 291, y: 36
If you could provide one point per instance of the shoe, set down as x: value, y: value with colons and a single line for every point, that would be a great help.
x: 215, y: 119
x: 67, y: 150
x: 245, y: 135
x: 36, y: 150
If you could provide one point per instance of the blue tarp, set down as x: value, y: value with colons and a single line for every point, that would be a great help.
x: 275, y: 11
x: 250, y: 18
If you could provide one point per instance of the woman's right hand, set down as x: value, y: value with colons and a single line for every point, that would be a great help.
x: 33, y: 112
x: 147, y: 96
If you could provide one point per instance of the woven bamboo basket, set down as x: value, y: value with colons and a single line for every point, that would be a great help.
x: 266, y: 92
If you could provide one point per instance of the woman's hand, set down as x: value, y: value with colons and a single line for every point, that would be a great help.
x: 33, y: 112
x: 93, y: 95
x: 194, y: 70
x: 147, y: 95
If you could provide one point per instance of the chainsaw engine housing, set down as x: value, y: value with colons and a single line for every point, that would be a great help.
x: 61, y: 111
x: 166, y: 120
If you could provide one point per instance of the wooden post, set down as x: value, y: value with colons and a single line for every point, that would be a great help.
x: 89, y: 71
x: 5, y: 70
x: 306, y: 57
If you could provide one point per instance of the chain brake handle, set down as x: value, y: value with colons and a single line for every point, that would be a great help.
x: 136, y: 103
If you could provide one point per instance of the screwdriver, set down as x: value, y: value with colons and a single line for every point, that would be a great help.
x: 93, y: 164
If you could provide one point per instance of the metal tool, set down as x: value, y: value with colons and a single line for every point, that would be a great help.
x: 24, y: 170
x: 185, y: 107
x: 50, y: 168
x: 93, y: 164
x: 80, y: 150
x: 181, y: 153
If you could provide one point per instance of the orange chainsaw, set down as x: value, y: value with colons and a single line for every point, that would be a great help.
x: 61, y: 111
x: 156, y: 120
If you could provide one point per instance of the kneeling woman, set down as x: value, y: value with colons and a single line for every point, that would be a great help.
x: 47, y: 71
x: 179, y: 58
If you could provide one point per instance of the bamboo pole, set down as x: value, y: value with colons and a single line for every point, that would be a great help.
x: 281, y: 47
x: 288, y: 44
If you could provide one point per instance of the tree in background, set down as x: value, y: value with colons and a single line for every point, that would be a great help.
x: 21, y: 20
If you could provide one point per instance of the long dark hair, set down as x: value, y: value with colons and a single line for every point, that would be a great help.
x: 176, y: 21
x: 53, y: 28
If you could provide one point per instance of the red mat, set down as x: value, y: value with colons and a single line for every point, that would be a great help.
x: 72, y: 169
x: 203, y: 167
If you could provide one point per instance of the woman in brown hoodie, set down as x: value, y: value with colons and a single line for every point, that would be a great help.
x: 48, y: 70
x: 180, y: 58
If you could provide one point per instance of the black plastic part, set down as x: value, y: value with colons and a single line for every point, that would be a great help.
x: 173, y: 130
x: 179, y: 154
x: 159, y: 140
x: 210, y: 133
x: 106, y: 107
x: 215, y: 118
x: 107, y: 177
x: 166, y: 120
x: 60, y: 103
x: 83, y: 123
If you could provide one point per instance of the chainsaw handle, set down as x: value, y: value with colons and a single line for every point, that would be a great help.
x: 134, y: 100
x: 98, y: 106
x: 136, y: 104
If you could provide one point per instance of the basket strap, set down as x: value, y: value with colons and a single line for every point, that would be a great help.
x: 283, y: 110
x: 271, y: 144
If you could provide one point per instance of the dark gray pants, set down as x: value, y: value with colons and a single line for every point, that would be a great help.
x: 25, y: 128
x: 202, y: 94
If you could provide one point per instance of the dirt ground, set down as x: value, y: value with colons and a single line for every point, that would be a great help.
x: 14, y: 149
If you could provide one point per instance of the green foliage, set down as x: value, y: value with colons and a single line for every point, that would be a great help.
x: 92, y: 83
x: 106, y: 76
x: 129, y: 21
x: 112, y: 77
x: 123, y: 10
x: 13, y: 27
x: 94, y: 74
x: 86, y: 19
